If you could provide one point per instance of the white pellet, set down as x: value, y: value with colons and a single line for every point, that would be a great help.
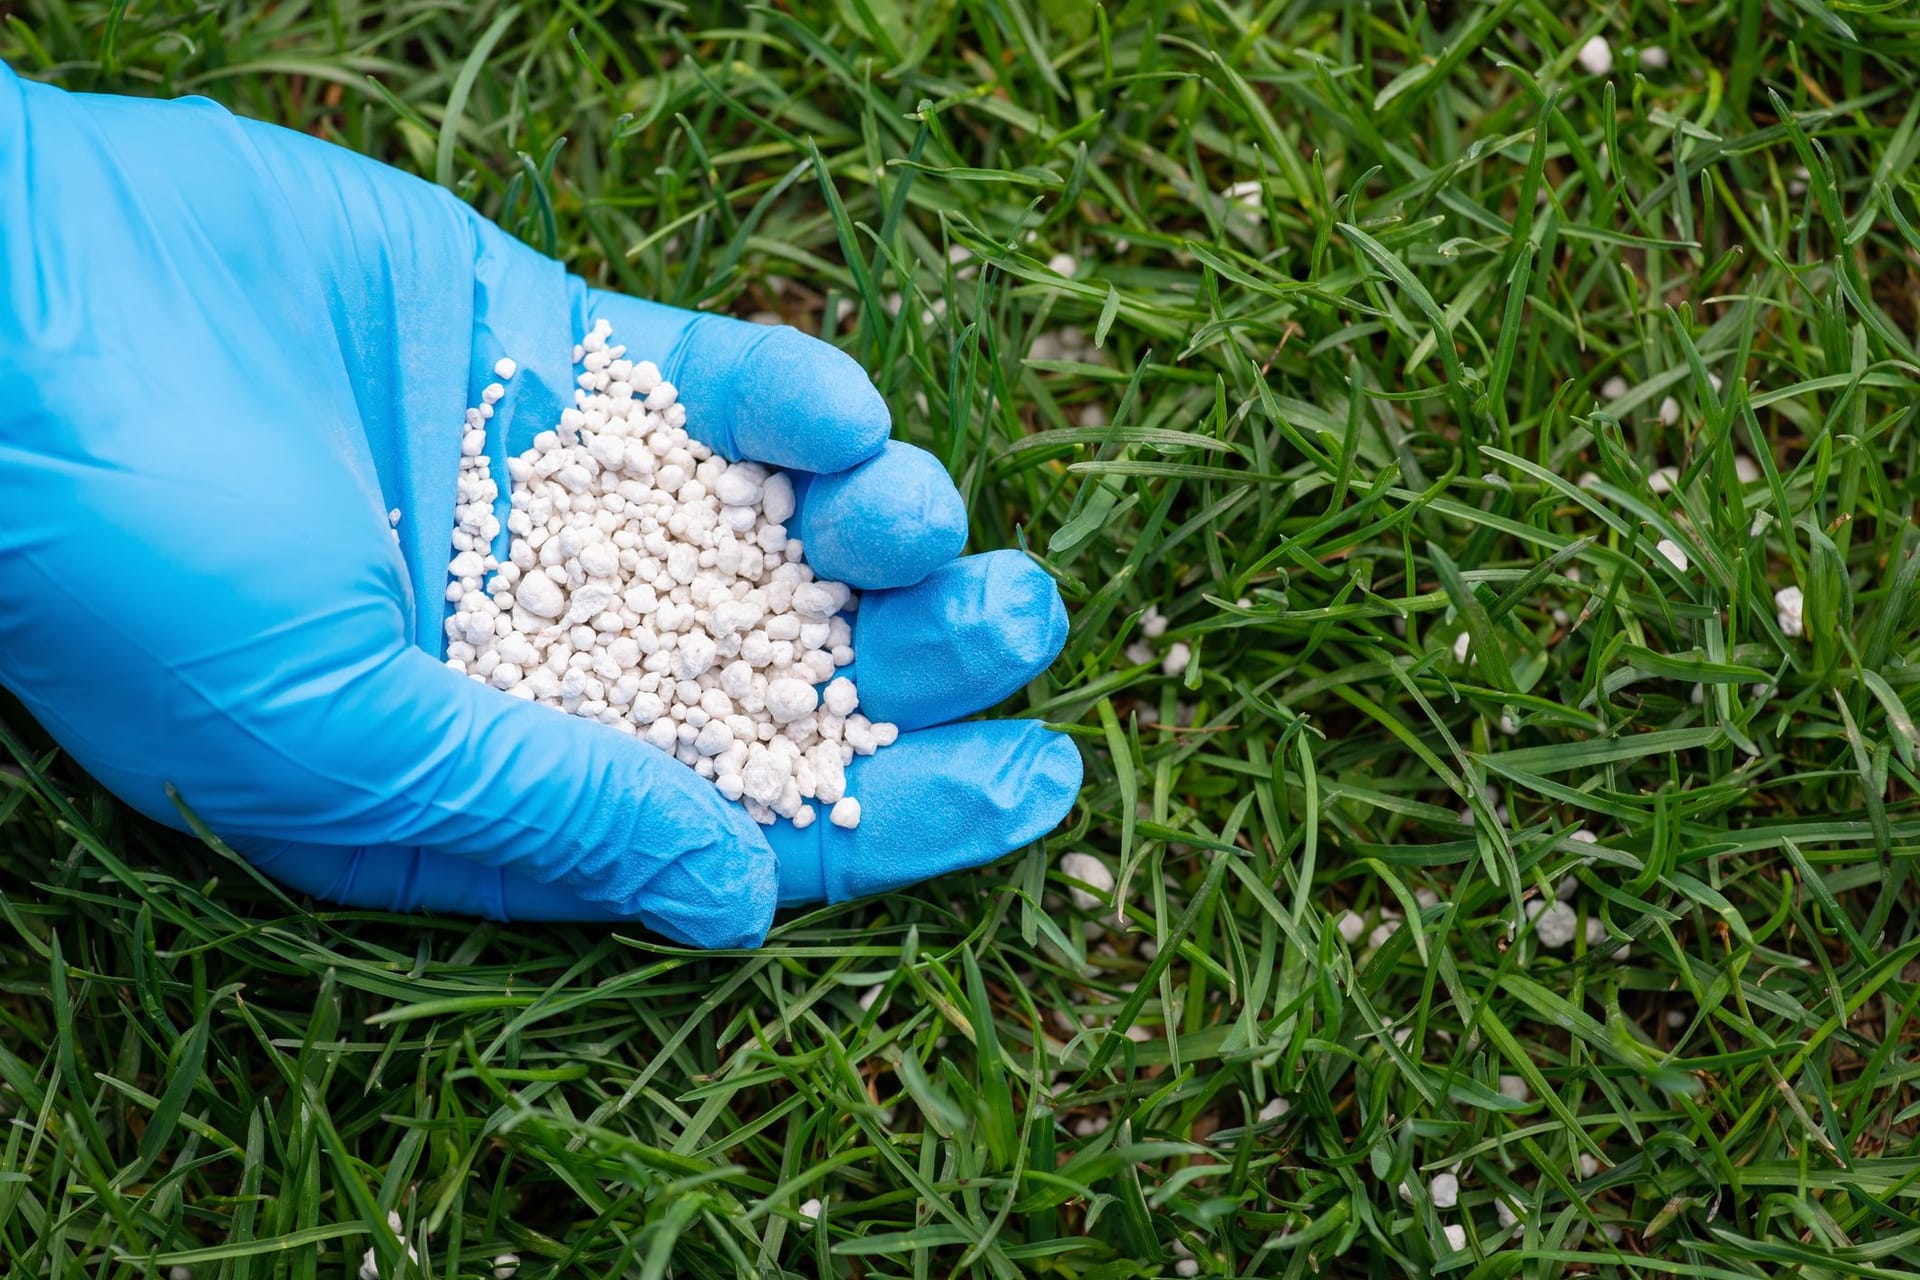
x: 776, y: 499
x: 1790, y: 611
x: 1613, y: 388
x: 370, y: 1263
x: 1179, y: 655
x: 503, y: 368
x: 1092, y: 873
x: 541, y: 596
x: 846, y: 812
x: 789, y: 699
x: 1248, y: 192
x: 1669, y: 411
x: 1456, y: 1236
x: 1596, y: 58
x: 1351, y: 925
x: 506, y: 1264
x: 1671, y: 551
x: 810, y: 1210
x: 840, y: 697
x: 1554, y: 923
x: 1444, y: 1191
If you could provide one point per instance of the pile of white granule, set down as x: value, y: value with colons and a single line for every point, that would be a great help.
x: 651, y: 585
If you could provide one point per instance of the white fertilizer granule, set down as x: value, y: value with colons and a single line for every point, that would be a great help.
x: 652, y: 586
x: 1092, y: 873
x: 1444, y: 1190
x: 1554, y: 923
x: 1352, y: 926
x: 370, y: 1264
x: 1595, y: 56
x: 1790, y: 611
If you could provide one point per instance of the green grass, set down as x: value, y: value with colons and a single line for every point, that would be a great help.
x: 1329, y: 429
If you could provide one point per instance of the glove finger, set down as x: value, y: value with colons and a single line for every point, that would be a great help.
x: 969, y: 635
x: 938, y: 800
x: 886, y: 522
x: 766, y: 392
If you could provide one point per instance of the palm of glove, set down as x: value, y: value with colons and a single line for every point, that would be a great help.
x: 227, y: 351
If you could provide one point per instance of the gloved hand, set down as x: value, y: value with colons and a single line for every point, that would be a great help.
x: 228, y: 350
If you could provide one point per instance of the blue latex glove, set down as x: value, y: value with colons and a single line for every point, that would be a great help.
x: 227, y: 350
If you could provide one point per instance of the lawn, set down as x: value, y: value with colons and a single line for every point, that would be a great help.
x: 1460, y: 403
